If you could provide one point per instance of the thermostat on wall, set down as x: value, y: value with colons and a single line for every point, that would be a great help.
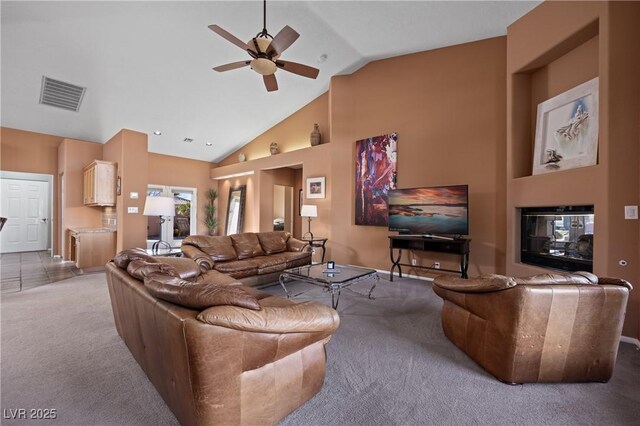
x: 133, y: 195
x: 630, y: 212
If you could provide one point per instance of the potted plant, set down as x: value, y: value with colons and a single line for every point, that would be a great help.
x: 210, y: 220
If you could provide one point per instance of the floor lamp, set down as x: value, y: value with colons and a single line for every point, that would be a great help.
x: 308, y: 211
x: 159, y: 206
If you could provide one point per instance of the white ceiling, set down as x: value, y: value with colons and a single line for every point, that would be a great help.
x: 147, y: 65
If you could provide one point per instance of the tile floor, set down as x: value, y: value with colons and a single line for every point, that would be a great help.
x: 22, y: 271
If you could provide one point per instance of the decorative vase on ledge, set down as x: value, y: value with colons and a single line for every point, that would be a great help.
x: 316, y: 137
x: 274, y: 148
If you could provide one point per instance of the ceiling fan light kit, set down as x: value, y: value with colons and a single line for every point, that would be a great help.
x: 265, y: 51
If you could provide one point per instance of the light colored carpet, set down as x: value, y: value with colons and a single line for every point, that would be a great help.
x: 388, y: 364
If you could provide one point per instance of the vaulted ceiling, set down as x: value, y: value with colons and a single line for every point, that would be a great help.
x: 147, y: 65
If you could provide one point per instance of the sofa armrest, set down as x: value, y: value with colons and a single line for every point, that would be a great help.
x: 294, y: 244
x: 197, y: 295
x: 483, y: 284
x: 187, y: 268
x: 306, y: 317
x: 615, y: 281
x: 204, y: 261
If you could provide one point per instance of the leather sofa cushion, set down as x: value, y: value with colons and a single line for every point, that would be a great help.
x: 273, y: 242
x: 482, y: 284
x: 220, y: 248
x: 268, y: 264
x: 294, y: 258
x: 305, y: 317
x: 140, y: 269
x: 123, y: 258
x: 216, y: 277
x: 247, y: 245
x: 187, y: 268
x: 197, y: 295
x: 238, y: 268
x: 580, y: 277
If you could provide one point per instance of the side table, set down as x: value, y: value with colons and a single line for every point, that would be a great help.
x: 316, y: 242
x: 173, y: 251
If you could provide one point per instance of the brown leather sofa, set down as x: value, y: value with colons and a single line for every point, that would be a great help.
x: 217, y: 353
x: 545, y: 328
x: 252, y: 258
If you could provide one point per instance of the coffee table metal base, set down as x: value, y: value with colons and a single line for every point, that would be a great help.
x: 333, y: 288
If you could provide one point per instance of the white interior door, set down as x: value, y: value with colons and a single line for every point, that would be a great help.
x: 25, y: 204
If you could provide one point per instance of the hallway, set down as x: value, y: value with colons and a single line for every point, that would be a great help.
x: 22, y: 271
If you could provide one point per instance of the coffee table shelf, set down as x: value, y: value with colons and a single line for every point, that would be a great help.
x: 334, y: 282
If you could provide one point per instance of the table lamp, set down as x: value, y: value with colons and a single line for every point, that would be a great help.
x: 159, y: 206
x: 308, y: 211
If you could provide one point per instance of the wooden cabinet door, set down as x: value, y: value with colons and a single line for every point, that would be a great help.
x: 100, y: 184
x: 94, y: 249
x: 105, y: 184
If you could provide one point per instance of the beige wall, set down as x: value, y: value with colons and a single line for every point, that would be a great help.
x: 23, y: 151
x: 291, y: 136
x: 29, y: 152
x: 547, y: 55
x: 173, y: 171
x: 73, y: 156
x: 129, y: 149
x: 277, y: 169
x: 448, y: 108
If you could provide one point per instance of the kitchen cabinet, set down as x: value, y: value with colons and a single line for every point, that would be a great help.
x: 91, y: 248
x: 100, y: 184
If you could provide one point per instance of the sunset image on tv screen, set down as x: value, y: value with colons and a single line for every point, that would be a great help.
x: 436, y: 210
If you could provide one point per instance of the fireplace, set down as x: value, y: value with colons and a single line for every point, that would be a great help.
x: 559, y: 237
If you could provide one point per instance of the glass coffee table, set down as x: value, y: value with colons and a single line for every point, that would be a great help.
x: 333, y: 280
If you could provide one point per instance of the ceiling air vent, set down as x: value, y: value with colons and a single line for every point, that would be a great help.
x: 60, y: 94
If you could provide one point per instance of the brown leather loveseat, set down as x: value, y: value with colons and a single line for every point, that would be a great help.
x: 253, y: 258
x: 546, y: 328
x: 217, y: 352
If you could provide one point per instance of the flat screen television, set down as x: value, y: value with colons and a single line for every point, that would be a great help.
x: 430, y: 211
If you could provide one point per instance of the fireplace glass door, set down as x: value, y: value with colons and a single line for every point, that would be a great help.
x: 558, y: 237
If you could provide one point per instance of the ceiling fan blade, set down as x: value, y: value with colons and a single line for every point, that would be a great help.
x: 231, y: 38
x: 231, y: 66
x: 282, y: 41
x: 300, y: 69
x: 270, y: 82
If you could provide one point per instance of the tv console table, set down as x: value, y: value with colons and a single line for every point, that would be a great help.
x: 458, y: 246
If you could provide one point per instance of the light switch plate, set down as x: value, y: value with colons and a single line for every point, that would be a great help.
x: 631, y: 212
x: 132, y: 210
x: 133, y: 195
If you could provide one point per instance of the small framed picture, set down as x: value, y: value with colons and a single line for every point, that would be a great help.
x: 315, y: 187
x: 331, y: 264
x: 118, y: 186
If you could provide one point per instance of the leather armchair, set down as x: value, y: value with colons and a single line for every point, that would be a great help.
x: 545, y: 328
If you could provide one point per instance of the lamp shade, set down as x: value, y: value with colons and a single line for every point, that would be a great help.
x: 159, y: 206
x: 309, y: 210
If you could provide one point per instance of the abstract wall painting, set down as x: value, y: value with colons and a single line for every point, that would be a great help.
x: 567, y: 130
x: 376, y: 174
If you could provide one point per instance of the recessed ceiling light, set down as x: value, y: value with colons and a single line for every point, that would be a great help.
x: 188, y: 140
x: 323, y: 58
x: 157, y: 133
x: 209, y: 144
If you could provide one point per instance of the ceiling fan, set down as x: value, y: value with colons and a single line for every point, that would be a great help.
x: 265, y: 51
